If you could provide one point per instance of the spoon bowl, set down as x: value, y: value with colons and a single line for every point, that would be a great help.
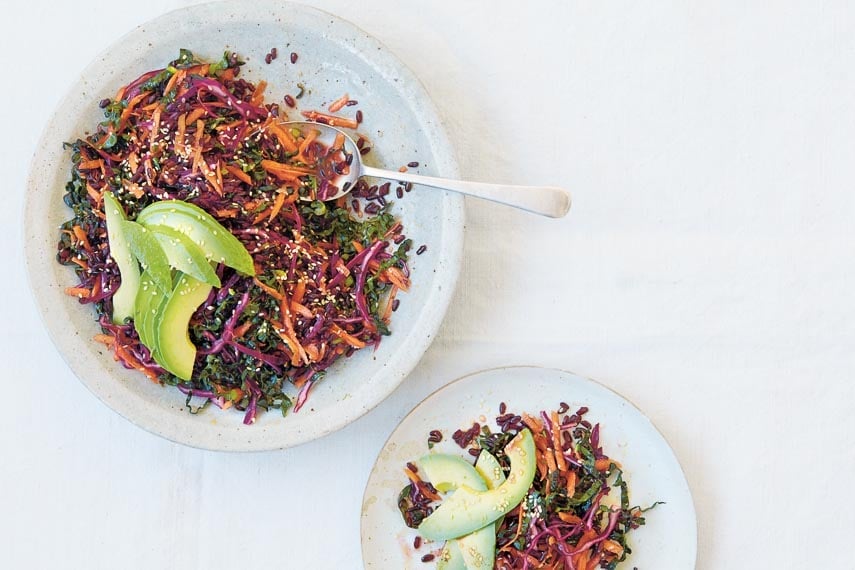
x: 342, y: 168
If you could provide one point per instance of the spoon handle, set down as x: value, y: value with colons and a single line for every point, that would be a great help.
x: 543, y: 200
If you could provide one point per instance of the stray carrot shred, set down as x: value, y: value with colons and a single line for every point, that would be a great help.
x: 346, y: 337
x: 339, y: 103
x: 239, y: 174
x: 81, y: 237
x: 277, y: 205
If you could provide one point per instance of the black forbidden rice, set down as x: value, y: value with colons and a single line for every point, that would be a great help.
x: 421, y: 250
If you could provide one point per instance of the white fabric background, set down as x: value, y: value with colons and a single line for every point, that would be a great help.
x: 705, y: 272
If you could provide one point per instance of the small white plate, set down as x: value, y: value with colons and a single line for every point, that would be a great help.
x: 334, y: 57
x: 667, y: 542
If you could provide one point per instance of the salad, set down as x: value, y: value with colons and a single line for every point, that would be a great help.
x: 200, y: 236
x: 542, y: 493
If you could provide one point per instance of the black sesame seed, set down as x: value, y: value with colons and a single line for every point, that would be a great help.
x: 359, y: 117
x: 413, y: 164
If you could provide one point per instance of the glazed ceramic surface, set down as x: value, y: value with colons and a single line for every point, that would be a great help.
x: 334, y: 57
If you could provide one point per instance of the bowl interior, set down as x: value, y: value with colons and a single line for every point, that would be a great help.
x: 334, y: 57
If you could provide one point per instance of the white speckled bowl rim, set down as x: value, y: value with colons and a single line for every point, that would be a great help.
x: 335, y: 56
x: 668, y: 541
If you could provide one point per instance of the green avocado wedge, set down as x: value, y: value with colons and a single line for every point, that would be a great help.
x: 217, y: 243
x: 184, y: 255
x: 176, y: 352
x: 450, y: 557
x: 489, y: 469
x: 468, y: 510
x: 448, y: 472
x: 148, y: 252
x: 149, y: 303
x: 477, y: 550
x: 120, y: 251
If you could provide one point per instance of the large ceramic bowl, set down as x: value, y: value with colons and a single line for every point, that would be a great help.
x: 334, y: 57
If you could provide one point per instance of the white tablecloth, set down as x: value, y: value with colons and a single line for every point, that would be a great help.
x: 705, y: 272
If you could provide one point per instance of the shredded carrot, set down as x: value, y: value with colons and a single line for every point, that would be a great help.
x: 571, y: 483
x: 533, y: 423
x: 307, y: 140
x: 284, y: 137
x: 569, y: 518
x: 612, y: 546
x: 133, y: 161
x: 288, y: 322
x: 550, y: 461
x: 390, y: 302
x: 397, y: 278
x: 357, y: 246
x: 155, y: 126
x: 268, y: 289
x: 283, y: 171
x: 94, y: 194
x: 556, y: 442
x: 259, y: 217
x: 200, y: 69
x: 301, y: 309
x: 130, y: 359
x: 331, y: 120
x: 421, y: 485
x: 195, y: 115
x: 602, y: 464
x: 277, y: 205
x: 258, y: 94
x: 299, y: 291
x: 582, y: 560
x: 226, y: 213
x: 90, y: 164
x: 81, y: 237
x: 104, y: 339
x: 312, y: 351
x: 346, y: 337
x: 339, y: 103
x: 126, y: 114
x: 239, y: 174
x: 338, y: 142
x: 173, y: 81
x: 241, y: 330
x: 80, y: 262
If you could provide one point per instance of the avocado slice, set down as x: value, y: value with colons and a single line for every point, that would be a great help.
x: 149, y: 303
x: 489, y: 469
x: 175, y: 351
x: 120, y: 251
x: 148, y: 252
x: 449, y: 472
x: 450, y: 557
x: 468, y: 510
x: 218, y: 243
x: 479, y: 548
x: 184, y: 255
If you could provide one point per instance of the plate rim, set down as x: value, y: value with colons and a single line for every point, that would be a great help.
x: 454, y: 223
x: 453, y: 383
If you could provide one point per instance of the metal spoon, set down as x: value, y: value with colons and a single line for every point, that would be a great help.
x: 543, y: 200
